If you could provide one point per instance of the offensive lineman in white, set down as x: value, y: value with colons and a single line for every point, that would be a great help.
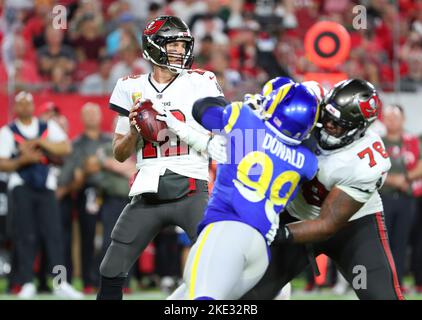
x: 171, y: 185
x: 339, y: 213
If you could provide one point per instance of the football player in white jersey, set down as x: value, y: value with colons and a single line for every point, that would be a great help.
x: 340, y: 212
x: 171, y: 185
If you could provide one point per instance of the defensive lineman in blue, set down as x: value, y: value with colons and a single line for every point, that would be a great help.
x: 266, y: 163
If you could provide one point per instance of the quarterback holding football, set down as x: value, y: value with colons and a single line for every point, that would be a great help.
x: 171, y: 184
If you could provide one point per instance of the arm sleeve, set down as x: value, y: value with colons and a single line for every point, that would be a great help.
x: 120, y: 100
x: 209, y: 112
x: 122, y: 125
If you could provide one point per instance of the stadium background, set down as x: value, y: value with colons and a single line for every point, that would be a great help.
x: 244, y: 42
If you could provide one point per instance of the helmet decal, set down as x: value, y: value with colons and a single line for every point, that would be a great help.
x: 153, y: 27
x: 282, y: 92
x: 290, y: 110
x: 369, y: 107
x: 335, y: 112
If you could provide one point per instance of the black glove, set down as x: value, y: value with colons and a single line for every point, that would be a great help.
x: 283, y: 235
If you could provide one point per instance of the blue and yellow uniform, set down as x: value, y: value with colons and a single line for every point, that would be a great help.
x: 262, y: 175
x: 265, y: 166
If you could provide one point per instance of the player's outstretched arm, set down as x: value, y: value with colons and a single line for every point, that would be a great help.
x: 197, y: 140
x: 336, y: 211
x: 209, y: 112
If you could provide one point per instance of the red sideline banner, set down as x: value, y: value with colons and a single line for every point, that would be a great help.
x: 70, y: 106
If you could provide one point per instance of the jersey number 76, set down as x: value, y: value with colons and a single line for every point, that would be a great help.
x: 377, y: 146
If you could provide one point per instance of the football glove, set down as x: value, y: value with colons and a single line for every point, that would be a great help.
x: 254, y: 101
x: 217, y: 148
x: 194, y: 138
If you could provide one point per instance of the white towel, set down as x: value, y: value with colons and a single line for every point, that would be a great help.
x: 146, y: 180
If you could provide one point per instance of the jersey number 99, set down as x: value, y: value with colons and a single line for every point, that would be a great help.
x: 256, y: 190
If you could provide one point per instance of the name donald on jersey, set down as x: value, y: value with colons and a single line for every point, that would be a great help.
x: 279, y: 149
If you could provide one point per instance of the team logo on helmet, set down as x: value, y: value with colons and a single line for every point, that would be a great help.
x: 153, y: 27
x: 369, y: 108
x: 335, y: 112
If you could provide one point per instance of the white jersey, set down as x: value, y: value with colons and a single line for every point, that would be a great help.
x: 358, y: 169
x: 177, y: 96
x: 8, y: 147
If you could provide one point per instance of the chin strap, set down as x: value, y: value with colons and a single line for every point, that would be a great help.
x: 328, y: 139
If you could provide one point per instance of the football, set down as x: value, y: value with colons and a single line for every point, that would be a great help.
x: 147, y: 124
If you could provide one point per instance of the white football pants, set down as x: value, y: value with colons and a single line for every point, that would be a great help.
x: 227, y: 260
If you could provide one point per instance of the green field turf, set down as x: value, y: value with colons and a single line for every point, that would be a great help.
x: 297, y: 284
x: 157, y: 295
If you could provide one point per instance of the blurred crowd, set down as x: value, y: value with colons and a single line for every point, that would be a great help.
x: 244, y: 42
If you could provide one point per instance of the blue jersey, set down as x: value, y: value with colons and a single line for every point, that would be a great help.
x: 262, y: 175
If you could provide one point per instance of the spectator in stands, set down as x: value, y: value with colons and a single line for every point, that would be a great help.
x: 141, y: 8
x: 228, y: 78
x: 273, y: 15
x: 397, y: 193
x: 55, y: 54
x: 416, y: 175
x: 126, y: 34
x: 26, y: 75
x: 86, y: 8
x: 155, y: 9
x: 131, y: 63
x: 236, y: 17
x: 101, y: 82
x: 61, y: 81
x: 27, y: 144
x: 416, y: 236
x: 34, y: 28
x: 212, y: 25
x: 50, y: 111
x: 414, y: 76
x: 205, y: 49
x: 417, y: 23
x: 186, y: 9
x: 113, y: 178
x: 114, y: 11
x: 243, y: 51
x: 89, y: 44
x: 80, y: 174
